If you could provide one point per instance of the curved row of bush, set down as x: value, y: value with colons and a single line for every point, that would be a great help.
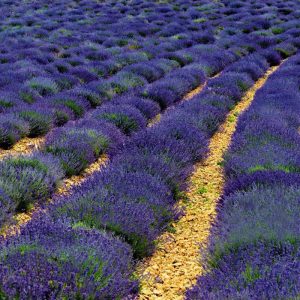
x: 69, y: 251
x: 78, y: 144
x: 39, y: 118
x: 132, y: 198
x: 127, y: 114
x: 71, y: 148
x: 45, y: 79
x: 55, y: 110
x: 254, y: 249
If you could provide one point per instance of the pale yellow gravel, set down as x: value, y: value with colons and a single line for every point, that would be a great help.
x: 24, y: 146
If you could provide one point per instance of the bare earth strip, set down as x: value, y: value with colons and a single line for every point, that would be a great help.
x: 194, y: 92
x: 175, y: 265
x: 198, y: 89
x: 67, y: 184
x: 24, y: 146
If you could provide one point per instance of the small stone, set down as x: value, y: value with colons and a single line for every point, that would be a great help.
x: 158, y: 280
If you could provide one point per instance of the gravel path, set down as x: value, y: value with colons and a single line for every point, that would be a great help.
x: 175, y: 265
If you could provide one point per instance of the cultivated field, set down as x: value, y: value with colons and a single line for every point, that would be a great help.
x: 149, y: 149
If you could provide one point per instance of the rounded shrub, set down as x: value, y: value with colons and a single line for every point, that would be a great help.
x: 44, y: 86
x: 29, y: 179
x: 12, y: 129
x: 76, y: 147
x: 127, y: 118
x: 39, y: 123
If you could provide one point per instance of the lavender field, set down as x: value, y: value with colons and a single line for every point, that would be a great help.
x: 149, y: 149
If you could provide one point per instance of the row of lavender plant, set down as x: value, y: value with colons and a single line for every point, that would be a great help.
x: 37, y: 119
x: 62, y: 252
x: 254, y: 249
x: 129, y: 114
x: 70, y: 149
x: 55, y: 110
x: 75, y: 258
x: 57, y: 78
x: 78, y: 144
x: 34, y: 178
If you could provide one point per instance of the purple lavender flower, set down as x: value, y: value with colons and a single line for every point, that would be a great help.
x: 52, y: 260
x: 262, y: 271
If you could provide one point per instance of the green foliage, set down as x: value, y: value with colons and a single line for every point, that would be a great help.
x: 251, y: 275
x: 27, y: 97
x: 202, y: 190
x: 277, y: 30
x: 123, y: 122
x: 274, y: 167
x: 5, y: 103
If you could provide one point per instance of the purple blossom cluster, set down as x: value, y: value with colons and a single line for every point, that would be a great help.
x: 56, y: 109
x: 257, y: 271
x: 91, y: 75
x: 80, y: 142
x: 254, y: 247
x: 57, y: 261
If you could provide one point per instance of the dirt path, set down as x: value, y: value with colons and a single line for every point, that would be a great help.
x: 175, y: 265
x: 24, y: 146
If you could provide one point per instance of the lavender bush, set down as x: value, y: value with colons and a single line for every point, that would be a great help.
x: 254, y: 272
x: 26, y: 179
